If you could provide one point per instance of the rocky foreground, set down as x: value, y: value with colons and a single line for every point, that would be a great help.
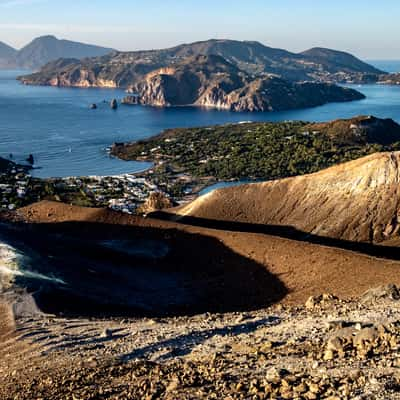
x: 326, y: 349
x: 292, y: 339
x: 308, y: 344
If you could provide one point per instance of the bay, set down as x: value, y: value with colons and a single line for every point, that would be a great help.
x: 66, y: 138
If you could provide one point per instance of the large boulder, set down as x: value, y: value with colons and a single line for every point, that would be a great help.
x: 385, y: 292
x: 155, y: 202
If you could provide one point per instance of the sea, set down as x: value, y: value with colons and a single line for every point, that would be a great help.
x: 67, y: 138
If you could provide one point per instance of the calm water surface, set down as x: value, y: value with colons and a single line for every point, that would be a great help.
x: 386, y: 65
x: 67, y: 138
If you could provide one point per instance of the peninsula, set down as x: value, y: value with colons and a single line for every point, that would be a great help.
x: 222, y: 74
x: 188, y: 159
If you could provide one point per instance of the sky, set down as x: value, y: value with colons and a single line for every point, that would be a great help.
x: 368, y: 29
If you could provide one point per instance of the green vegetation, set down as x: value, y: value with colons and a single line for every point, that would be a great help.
x: 250, y: 150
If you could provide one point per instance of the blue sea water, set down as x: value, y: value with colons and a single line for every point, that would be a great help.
x: 386, y: 65
x: 66, y: 138
x: 220, y: 185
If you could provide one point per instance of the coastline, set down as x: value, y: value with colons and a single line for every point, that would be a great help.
x: 133, y: 123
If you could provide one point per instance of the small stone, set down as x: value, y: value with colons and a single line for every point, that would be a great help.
x: 366, y: 339
x: 311, y: 302
x: 107, y: 333
x: 266, y: 346
x: 287, y: 394
x: 328, y: 297
x: 301, y: 388
x: 354, y: 374
x: 173, y: 385
x: 310, y: 396
x: 275, y: 374
x: 239, y: 387
x: 314, y: 388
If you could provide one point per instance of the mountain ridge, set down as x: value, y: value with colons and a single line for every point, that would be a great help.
x: 340, y: 58
x: 190, y: 80
x: 253, y: 58
x: 47, y: 48
x: 6, y: 53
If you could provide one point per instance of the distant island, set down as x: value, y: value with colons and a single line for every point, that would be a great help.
x: 45, y: 49
x: 124, y: 69
x: 221, y: 74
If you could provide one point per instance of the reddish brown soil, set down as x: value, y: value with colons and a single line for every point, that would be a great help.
x: 304, y: 268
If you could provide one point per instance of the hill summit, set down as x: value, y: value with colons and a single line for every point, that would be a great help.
x: 44, y: 49
x: 355, y: 201
x: 360, y: 129
x: 255, y: 59
x: 6, y: 54
x: 48, y: 48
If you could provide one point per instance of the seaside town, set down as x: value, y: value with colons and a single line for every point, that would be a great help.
x: 127, y: 193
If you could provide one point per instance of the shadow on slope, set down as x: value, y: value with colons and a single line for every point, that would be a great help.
x: 287, y: 232
x: 183, y: 345
x: 97, y: 269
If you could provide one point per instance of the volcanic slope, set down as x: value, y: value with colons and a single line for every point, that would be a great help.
x: 298, y: 268
x: 356, y: 201
x: 54, y: 357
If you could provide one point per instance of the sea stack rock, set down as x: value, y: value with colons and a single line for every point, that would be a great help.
x: 30, y: 159
x: 114, y: 104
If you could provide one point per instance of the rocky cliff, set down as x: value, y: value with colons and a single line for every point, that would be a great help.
x: 356, y: 201
x: 106, y: 71
x: 275, y: 94
x: 180, y: 76
x: 199, y: 80
x: 211, y: 81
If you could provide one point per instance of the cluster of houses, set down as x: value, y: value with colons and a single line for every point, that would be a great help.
x: 14, y: 188
x: 121, y: 193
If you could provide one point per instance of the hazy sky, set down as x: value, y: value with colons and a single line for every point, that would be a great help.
x: 369, y: 29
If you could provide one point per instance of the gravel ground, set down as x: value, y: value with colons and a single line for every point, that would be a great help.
x: 288, y: 352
